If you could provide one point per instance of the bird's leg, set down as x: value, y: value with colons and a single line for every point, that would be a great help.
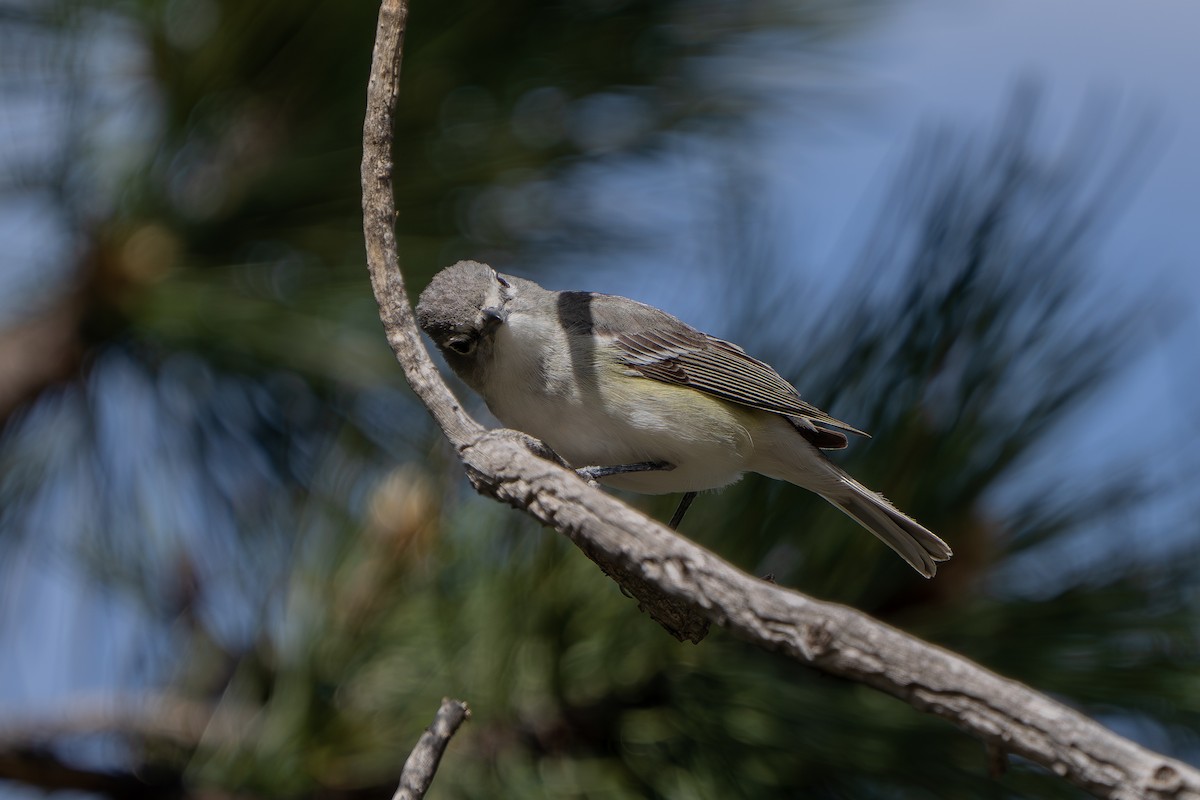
x: 590, y: 474
x: 684, y: 504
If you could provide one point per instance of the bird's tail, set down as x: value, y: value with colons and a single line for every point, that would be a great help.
x: 915, y: 543
x: 805, y: 466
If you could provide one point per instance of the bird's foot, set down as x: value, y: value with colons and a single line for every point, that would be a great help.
x: 593, y: 474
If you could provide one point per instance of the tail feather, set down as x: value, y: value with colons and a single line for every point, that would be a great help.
x: 780, y: 453
x: 912, y: 541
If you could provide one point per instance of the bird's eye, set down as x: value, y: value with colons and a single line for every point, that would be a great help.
x: 463, y: 345
x: 502, y: 281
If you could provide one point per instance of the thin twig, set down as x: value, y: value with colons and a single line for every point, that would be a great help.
x: 379, y: 218
x: 423, y: 761
x: 684, y: 586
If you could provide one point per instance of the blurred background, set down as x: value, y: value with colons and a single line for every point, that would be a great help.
x: 235, y: 559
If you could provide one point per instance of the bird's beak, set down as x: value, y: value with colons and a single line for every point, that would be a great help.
x: 493, y: 317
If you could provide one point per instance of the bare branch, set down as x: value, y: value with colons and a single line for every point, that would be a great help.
x: 379, y: 217
x: 42, y: 769
x: 684, y: 586
x: 27, y: 745
x: 149, y: 717
x: 423, y: 762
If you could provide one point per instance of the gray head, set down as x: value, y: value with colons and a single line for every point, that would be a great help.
x: 460, y: 309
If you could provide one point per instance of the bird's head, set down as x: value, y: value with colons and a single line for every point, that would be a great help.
x: 461, y: 309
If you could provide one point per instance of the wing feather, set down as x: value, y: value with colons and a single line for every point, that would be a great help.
x: 719, y: 368
x: 658, y: 346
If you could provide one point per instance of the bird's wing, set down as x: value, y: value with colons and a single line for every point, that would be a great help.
x: 719, y: 368
x: 656, y: 345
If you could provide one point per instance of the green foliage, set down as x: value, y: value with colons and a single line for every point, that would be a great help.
x: 232, y: 451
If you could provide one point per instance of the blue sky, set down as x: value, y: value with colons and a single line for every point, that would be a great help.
x: 957, y: 61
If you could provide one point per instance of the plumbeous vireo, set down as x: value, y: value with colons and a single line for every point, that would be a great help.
x: 644, y: 401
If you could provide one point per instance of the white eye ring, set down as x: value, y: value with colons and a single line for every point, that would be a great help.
x: 463, y: 345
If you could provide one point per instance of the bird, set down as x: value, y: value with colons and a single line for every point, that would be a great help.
x: 636, y: 399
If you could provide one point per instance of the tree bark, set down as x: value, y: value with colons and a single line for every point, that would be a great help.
x: 423, y: 762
